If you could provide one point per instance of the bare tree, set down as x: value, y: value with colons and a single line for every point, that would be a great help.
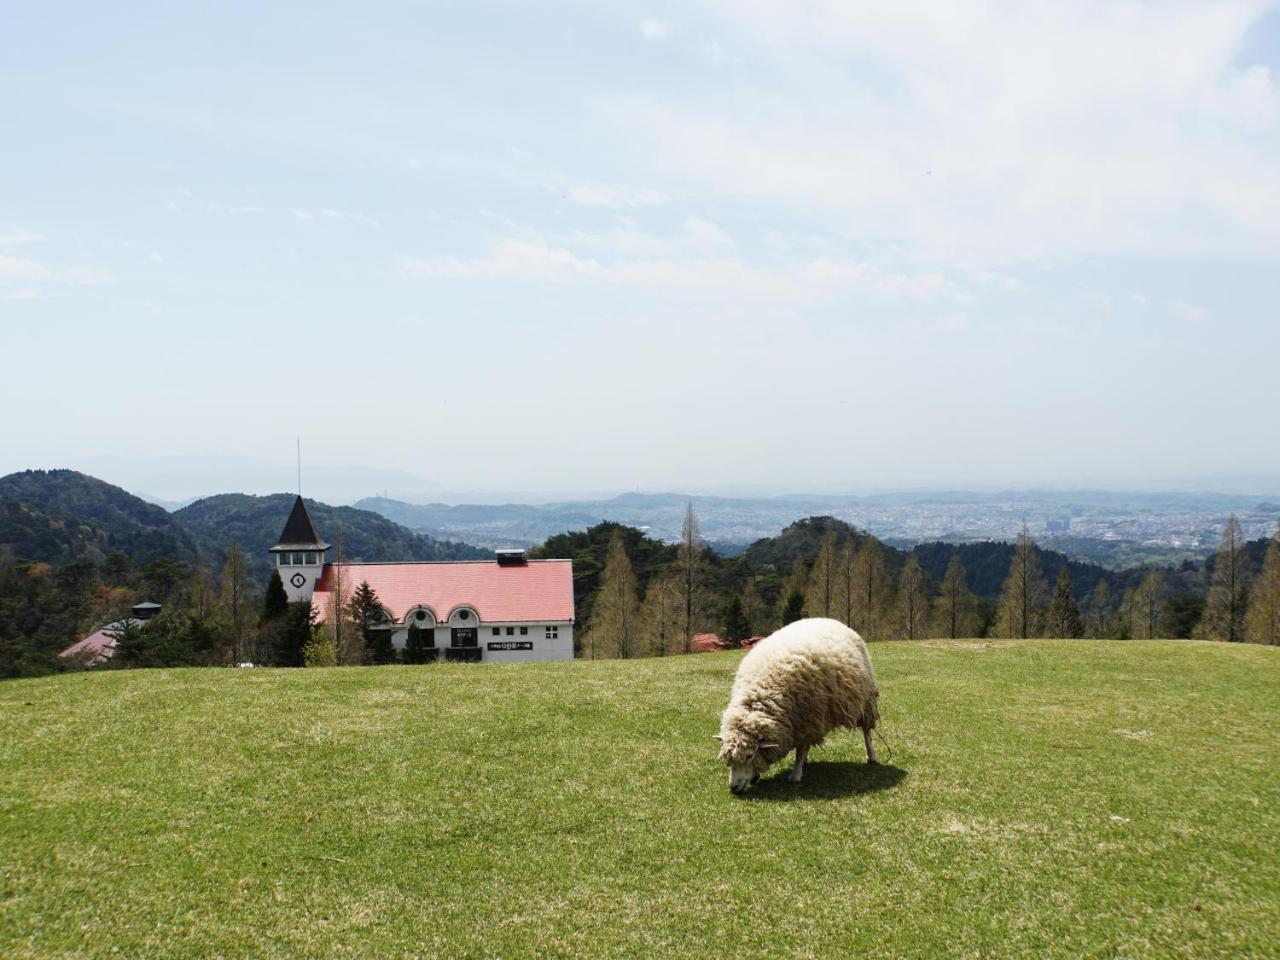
x: 823, y: 578
x: 663, y: 614
x: 1262, y: 623
x: 691, y: 568
x: 1149, y: 606
x: 1225, y: 607
x: 1025, y: 593
x: 237, y: 609
x: 872, y: 591
x: 614, y: 630
x: 1098, y: 613
x: 956, y: 609
x: 913, y: 600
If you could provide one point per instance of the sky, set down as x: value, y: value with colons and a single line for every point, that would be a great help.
x: 706, y: 246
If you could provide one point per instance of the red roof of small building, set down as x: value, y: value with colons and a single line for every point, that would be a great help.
x: 95, y: 648
x: 539, y: 590
x: 708, y: 643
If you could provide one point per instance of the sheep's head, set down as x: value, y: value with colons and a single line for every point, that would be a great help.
x: 749, y: 744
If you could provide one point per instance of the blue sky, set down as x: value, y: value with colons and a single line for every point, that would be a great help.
x: 700, y: 246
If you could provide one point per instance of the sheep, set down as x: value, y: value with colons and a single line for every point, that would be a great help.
x: 791, y: 690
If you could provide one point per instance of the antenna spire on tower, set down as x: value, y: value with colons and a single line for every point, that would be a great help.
x: 299, y: 440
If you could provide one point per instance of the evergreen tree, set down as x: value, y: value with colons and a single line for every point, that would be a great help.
x: 1122, y: 628
x: 1099, y: 620
x: 133, y: 646
x: 736, y: 626
x: 415, y: 648
x: 1064, y: 618
x: 1226, y: 604
x: 1149, y: 606
x: 796, y: 585
x: 296, y: 634
x: 913, y: 600
x: 322, y: 648
x: 1023, y: 601
x: 793, y: 610
x: 955, y: 611
x: 275, y: 602
x: 614, y: 629
x: 370, y: 619
x: 1181, y: 614
x: 751, y: 606
x: 1262, y: 622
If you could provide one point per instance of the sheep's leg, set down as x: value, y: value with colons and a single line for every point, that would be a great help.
x: 871, y: 747
x: 802, y: 754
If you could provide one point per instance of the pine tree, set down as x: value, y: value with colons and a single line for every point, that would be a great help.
x: 322, y: 648
x: 872, y: 591
x: 297, y: 633
x: 955, y: 611
x: 1063, y: 619
x: 820, y: 597
x: 370, y: 619
x: 1023, y: 601
x: 1262, y: 623
x: 275, y: 601
x: 1122, y: 628
x: 793, y: 609
x: 415, y: 648
x: 1099, y: 620
x: 132, y: 644
x: 1149, y: 606
x: 913, y: 600
x: 614, y: 629
x: 1225, y: 607
x: 751, y: 607
x: 736, y: 627
x: 796, y: 585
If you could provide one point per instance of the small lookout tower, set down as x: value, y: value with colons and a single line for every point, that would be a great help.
x: 299, y: 555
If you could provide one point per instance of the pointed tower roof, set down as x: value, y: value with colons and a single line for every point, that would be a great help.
x: 299, y: 531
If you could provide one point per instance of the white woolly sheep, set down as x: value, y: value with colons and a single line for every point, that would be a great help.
x: 791, y: 690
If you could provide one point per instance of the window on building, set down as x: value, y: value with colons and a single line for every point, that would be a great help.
x: 511, y: 631
x: 311, y: 559
x: 282, y: 559
x: 297, y: 559
x: 524, y: 631
x: 497, y: 631
x: 553, y: 633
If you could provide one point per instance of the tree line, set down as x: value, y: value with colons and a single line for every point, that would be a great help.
x: 688, y: 590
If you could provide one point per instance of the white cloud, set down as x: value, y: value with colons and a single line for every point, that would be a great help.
x: 29, y: 277
x: 985, y: 132
x: 653, y: 30
x: 19, y: 270
x: 613, y: 195
x: 18, y: 236
x: 723, y: 279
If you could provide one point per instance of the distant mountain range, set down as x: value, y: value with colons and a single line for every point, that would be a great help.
x: 61, y: 516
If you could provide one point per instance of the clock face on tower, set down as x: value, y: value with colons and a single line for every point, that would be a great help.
x: 298, y: 580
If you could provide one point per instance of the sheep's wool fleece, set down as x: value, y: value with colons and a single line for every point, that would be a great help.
x: 803, y: 681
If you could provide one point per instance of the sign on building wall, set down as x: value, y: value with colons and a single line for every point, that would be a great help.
x: 511, y: 645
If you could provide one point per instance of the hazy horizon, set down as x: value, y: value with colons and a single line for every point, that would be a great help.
x: 691, y: 246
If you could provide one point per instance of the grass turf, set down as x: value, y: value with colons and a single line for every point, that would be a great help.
x: 1042, y: 798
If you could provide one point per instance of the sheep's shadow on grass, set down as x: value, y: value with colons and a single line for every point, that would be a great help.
x: 828, y: 781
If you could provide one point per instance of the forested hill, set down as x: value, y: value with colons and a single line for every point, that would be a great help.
x: 57, y: 516
x: 255, y: 523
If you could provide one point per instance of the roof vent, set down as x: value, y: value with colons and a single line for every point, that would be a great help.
x: 511, y: 558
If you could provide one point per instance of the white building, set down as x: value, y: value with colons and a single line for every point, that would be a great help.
x: 511, y: 608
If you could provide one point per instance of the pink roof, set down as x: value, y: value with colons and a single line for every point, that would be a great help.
x: 94, y: 648
x: 708, y: 643
x: 540, y: 590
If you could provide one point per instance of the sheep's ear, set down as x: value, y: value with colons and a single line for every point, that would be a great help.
x: 716, y: 736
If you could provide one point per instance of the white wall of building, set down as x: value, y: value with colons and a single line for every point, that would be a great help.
x: 502, y: 647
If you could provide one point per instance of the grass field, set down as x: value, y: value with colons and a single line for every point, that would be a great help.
x: 1041, y: 799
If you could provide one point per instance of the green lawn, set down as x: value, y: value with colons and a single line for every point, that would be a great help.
x: 1040, y: 799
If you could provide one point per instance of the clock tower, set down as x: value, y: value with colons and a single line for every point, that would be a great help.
x: 299, y: 556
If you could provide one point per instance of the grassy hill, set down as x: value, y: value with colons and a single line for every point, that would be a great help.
x: 1042, y: 799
